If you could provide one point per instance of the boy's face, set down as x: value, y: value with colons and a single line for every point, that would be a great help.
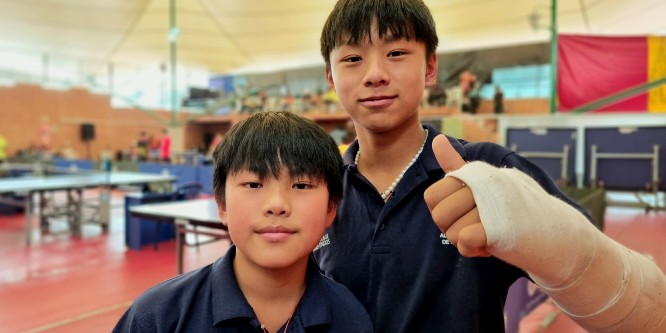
x: 380, y: 83
x: 275, y: 223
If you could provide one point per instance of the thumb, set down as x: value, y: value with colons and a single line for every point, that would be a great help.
x: 449, y: 159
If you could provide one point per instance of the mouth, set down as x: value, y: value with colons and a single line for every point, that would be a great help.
x: 376, y: 98
x: 275, y: 233
x: 377, y: 101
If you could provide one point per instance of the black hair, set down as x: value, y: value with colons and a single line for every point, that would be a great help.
x: 266, y: 142
x: 351, y: 22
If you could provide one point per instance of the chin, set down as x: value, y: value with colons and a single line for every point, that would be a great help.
x: 278, y: 264
x: 285, y: 259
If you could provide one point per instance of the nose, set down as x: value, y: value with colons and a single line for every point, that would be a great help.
x: 376, y: 74
x: 277, y: 203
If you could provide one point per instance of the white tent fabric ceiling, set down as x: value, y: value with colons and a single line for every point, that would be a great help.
x: 226, y: 36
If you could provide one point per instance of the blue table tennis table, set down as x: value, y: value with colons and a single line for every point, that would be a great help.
x: 197, y: 216
x: 33, y: 188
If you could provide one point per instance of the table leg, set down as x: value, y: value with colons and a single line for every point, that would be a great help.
x: 42, y: 200
x: 180, y: 233
x: 28, y: 219
x: 104, y: 208
x: 73, y: 212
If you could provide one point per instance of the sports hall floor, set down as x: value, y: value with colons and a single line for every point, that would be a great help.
x: 84, y: 284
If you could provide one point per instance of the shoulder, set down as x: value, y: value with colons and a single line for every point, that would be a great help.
x: 500, y: 156
x: 489, y: 152
x: 336, y: 292
x: 165, y: 304
x: 345, y: 307
x: 180, y: 286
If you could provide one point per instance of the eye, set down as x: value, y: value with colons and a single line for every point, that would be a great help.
x: 352, y: 59
x: 252, y: 185
x: 302, y: 186
x: 396, y: 53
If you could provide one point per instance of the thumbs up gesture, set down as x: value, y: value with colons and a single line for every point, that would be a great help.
x: 452, y: 204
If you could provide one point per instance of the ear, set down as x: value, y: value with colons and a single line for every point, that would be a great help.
x: 222, y: 211
x: 329, y: 77
x: 431, y: 70
x: 330, y: 215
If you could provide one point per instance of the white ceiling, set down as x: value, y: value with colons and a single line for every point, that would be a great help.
x: 223, y: 36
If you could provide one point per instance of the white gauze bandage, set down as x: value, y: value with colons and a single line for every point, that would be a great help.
x: 599, y: 283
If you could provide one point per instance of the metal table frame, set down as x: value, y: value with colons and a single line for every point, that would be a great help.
x: 198, y: 217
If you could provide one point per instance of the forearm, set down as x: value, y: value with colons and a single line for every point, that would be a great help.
x: 596, y: 281
x: 618, y: 291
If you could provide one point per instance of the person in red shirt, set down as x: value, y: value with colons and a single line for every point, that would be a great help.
x: 165, y: 146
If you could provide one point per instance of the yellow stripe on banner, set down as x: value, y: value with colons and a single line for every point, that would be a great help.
x: 657, y: 70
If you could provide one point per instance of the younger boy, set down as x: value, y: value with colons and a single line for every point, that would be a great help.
x: 277, y: 182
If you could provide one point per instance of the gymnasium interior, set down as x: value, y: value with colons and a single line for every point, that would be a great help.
x: 89, y: 91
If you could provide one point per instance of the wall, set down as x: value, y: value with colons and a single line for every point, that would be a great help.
x: 527, y: 106
x: 537, y: 106
x: 25, y: 109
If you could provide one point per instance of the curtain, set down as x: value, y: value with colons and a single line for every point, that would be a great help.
x: 591, y: 68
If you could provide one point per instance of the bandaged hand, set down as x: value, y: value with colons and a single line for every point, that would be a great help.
x: 485, y: 210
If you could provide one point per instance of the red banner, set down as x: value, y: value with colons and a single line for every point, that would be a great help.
x: 592, y: 67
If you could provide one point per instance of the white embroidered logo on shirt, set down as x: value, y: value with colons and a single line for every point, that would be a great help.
x: 323, y: 242
x: 445, y: 241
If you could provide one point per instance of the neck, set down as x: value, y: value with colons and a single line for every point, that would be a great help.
x: 387, y: 149
x: 273, y: 294
x: 383, y: 157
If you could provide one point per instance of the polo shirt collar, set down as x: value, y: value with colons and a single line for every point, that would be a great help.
x: 427, y: 163
x: 350, y: 154
x: 228, y: 301
x: 315, y: 307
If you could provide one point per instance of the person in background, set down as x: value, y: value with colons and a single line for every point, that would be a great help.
x: 437, y: 96
x: 3, y: 149
x: 142, y: 146
x: 133, y: 153
x: 474, y: 97
x: 44, y: 137
x: 213, y: 144
x: 107, y: 154
x: 68, y: 152
x: 121, y: 155
x: 154, y: 148
x: 348, y: 137
x: 432, y: 231
x: 165, y: 146
x: 277, y: 181
x: 467, y: 82
x: 330, y: 99
x: 498, y: 100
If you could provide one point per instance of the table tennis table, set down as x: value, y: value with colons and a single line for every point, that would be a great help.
x: 188, y: 216
x: 32, y: 188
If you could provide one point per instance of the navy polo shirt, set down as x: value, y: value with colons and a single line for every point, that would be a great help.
x: 210, y: 300
x: 398, y: 263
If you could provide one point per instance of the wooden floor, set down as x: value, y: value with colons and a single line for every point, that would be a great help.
x: 84, y: 284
